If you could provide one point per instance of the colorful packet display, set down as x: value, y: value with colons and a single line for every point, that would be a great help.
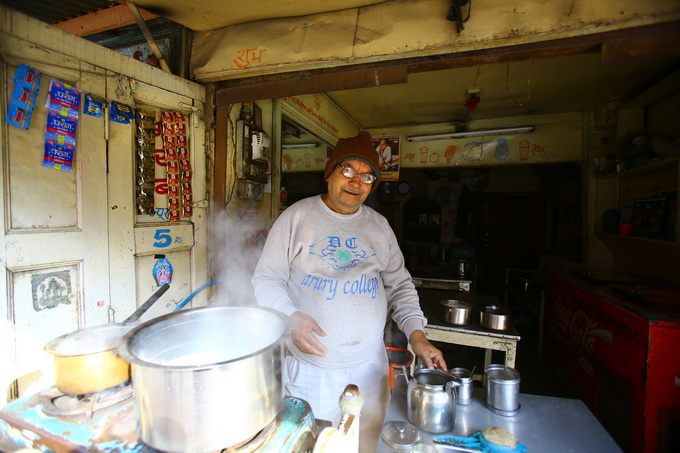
x: 63, y: 104
x: 145, y: 144
x: 63, y: 99
x: 180, y: 195
x: 121, y: 113
x: 26, y: 87
x: 60, y: 129
x: 59, y: 156
x: 93, y: 105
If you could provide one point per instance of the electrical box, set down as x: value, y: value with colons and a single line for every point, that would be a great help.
x: 249, y: 190
x: 246, y: 166
x: 260, y: 145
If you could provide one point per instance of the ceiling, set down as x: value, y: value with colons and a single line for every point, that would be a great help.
x: 526, y: 86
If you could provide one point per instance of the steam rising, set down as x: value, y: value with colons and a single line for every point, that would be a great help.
x: 235, y: 261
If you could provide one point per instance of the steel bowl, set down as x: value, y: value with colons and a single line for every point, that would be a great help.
x: 495, y: 318
x: 456, y: 312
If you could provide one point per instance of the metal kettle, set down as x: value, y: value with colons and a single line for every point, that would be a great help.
x: 431, y: 399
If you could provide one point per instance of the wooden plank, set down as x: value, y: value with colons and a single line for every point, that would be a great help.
x: 310, y: 82
x: 662, y: 40
x: 41, y: 36
x: 149, y: 37
x: 99, y: 21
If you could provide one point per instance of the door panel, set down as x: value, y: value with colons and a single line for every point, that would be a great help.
x: 54, y: 236
x: 74, y: 250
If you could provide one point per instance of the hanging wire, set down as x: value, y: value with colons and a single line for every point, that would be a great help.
x: 507, y: 87
x: 191, y: 296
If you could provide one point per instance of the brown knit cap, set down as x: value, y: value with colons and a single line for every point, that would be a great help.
x: 358, y: 147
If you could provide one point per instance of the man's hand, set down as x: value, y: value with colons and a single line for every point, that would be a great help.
x: 305, y: 330
x: 431, y: 356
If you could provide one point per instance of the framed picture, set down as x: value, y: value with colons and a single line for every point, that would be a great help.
x: 649, y: 217
x: 388, y: 156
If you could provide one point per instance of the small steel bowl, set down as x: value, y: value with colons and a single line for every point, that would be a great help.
x: 456, y: 312
x: 495, y: 318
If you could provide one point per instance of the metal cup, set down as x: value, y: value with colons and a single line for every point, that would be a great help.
x: 465, y: 387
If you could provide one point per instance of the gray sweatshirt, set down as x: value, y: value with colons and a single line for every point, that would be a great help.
x: 345, y: 271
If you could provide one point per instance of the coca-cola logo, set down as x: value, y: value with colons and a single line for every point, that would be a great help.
x: 585, y: 363
x: 579, y: 326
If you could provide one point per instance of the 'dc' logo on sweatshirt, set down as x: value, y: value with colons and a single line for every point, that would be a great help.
x: 342, y: 250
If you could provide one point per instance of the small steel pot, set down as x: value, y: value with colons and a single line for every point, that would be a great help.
x: 86, y: 361
x: 495, y: 318
x: 456, y: 312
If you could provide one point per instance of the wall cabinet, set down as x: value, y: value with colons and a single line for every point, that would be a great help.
x: 646, y: 198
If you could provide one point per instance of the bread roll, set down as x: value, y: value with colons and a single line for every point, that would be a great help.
x: 499, y: 436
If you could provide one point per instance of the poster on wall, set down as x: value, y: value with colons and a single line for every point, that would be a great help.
x: 388, y: 156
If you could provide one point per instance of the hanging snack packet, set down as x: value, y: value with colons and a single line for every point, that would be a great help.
x: 58, y: 156
x: 64, y: 99
x: 60, y: 129
x: 26, y: 86
x: 162, y: 270
x: 94, y: 105
x: 121, y: 113
x: 63, y: 108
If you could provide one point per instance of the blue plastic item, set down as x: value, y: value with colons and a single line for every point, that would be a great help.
x: 477, y: 442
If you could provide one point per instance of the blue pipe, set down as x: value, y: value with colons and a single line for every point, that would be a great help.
x: 191, y: 296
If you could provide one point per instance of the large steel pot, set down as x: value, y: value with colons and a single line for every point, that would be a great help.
x: 206, y: 378
x: 86, y: 361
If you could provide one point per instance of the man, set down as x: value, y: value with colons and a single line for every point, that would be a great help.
x: 384, y: 151
x: 334, y: 266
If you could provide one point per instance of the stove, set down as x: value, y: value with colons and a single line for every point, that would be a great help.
x: 105, y: 422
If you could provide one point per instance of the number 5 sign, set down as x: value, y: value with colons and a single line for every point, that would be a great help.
x: 167, y: 239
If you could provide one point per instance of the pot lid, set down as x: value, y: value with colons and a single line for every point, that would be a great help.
x: 456, y: 303
x: 496, y: 310
x: 400, y: 435
x: 89, y: 340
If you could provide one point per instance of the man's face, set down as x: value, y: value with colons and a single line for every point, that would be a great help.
x: 346, y: 195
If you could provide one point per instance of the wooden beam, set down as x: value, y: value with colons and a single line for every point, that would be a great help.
x: 103, y: 20
x: 662, y: 42
x: 273, y: 86
x: 149, y: 37
x: 317, y: 81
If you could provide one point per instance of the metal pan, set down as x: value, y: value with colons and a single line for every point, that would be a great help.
x: 456, y: 312
x: 495, y: 318
x: 86, y: 361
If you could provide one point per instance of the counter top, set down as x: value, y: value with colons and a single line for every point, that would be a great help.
x: 621, y: 294
x: 542, y: 424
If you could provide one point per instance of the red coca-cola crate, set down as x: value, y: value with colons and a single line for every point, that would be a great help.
x: 622, y: 359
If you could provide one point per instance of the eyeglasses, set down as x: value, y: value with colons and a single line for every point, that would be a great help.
x: 349, y: 173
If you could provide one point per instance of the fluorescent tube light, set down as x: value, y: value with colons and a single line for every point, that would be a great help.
x: 300, y: 145
x: 464, y: 134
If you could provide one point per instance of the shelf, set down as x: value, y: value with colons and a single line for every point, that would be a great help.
x: 617, y: 237
x: 649, y: 168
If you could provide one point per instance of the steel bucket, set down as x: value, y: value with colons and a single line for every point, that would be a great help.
x: 206, y: 378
